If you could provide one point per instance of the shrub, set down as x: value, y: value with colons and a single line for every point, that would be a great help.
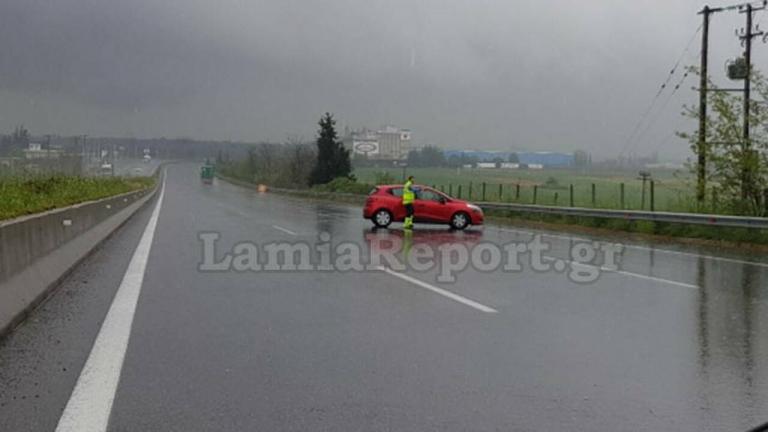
x: 345, y: 185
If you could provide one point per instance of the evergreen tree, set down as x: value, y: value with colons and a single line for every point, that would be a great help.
x: 332, y: 158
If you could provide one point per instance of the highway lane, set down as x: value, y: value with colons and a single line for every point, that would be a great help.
x: 675, y: 342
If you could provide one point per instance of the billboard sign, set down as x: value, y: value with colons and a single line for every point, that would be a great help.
x: 366, y: 147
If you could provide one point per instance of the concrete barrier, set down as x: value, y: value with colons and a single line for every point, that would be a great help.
x: 37, y: 251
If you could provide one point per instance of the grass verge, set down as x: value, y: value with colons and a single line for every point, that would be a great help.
x: 20, y: 197
x: 657, y: 231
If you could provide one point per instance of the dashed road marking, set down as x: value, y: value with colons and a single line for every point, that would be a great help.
x: 285, y: 230
x: 455, y: 297
x: 644, y: 248
x: 625, y: 273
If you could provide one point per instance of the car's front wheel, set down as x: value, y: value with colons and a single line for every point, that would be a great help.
x: 459, y: 220
x: 382, y: 218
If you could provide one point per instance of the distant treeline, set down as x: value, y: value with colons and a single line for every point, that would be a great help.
x: 285, y: 165
x: 13, y: 145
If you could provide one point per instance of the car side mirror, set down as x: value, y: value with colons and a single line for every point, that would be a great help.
x: 443, y: 200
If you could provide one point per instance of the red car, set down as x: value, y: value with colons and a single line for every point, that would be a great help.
x: 385, y: 205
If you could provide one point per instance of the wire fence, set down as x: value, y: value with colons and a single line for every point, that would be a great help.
x: 651, y: 195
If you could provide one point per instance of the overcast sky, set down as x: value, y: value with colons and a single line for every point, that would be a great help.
x: 491, y: 74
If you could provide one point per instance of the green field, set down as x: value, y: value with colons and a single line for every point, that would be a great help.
x: 672, y: 192
x: 32, y: 195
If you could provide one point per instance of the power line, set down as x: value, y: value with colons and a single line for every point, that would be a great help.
x: 661, y: 110
x: 661, y: 89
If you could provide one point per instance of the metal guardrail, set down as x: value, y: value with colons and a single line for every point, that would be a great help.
x: 635, y: 215
x: 628, y: 215
x: 296, y: 192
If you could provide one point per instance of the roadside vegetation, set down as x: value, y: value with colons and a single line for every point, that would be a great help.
x: 717, y: 235
x: 22, y: 196
x: 736, y: 180
x: 323, y: 165
x: 323, y: 168
x: 551, y: 187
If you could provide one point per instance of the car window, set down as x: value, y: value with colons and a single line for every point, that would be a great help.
x: 429, y: 195
x: 398, y: 192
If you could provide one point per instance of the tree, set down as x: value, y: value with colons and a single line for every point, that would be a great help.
x: 428, y: 156
x: 513, y: 158
x: 16, y: 142
x: 737, y: 171
x: 300, y: 158
x: 21, y: 136
x: 432, y: 156
x: 414, y: 158
x: 460, y: 160
x: 332, y: 157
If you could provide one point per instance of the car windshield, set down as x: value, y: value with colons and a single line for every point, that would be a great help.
x: 205, y: 224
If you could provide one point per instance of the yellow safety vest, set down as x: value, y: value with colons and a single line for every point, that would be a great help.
x: 408, y: 195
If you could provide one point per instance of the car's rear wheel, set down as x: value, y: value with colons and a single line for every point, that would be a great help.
x: 459, y: 220
x: 382, y: 218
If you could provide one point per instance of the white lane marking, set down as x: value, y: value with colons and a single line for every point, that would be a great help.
x: 542, y: 234
x: 233, y: 209
x: 652, y: 278
x: 626, y: 273
x: 91, y: 401
x: 710, y: 257
x: 285, y: 230
x: 645, y: 248
x: 442, y: 292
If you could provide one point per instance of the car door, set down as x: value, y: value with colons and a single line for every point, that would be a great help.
x: 428, y: 206
x: 439, y: 210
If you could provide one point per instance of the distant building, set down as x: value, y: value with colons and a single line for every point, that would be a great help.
x: 36, y: 151
x: 546, y: 159
x: 387, y: 143
x: 480, y: 155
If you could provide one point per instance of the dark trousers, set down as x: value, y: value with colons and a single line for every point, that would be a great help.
x: 408, y: 210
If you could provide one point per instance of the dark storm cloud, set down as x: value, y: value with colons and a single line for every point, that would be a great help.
x: 485, y: 73
x: 105, y: 53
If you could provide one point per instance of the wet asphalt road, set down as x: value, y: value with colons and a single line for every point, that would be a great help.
x: 677, y: 340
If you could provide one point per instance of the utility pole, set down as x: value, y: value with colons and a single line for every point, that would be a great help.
x: 701, y: 169
x: 82, y: 154
x: 48, y: 149
x: 645, y: 176
x: 747, y: 36
x: 87, y: 153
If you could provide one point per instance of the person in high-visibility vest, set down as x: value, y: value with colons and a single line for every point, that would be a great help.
x: 408, y: 197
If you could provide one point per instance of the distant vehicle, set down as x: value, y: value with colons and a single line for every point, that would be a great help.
x: 106, y: 169
x: 385, y: 205
x: 147, y: 158
x: 138, y: 170
x: 207, y: 173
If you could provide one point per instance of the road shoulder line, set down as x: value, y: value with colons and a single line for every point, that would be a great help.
x: 90, y: 404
